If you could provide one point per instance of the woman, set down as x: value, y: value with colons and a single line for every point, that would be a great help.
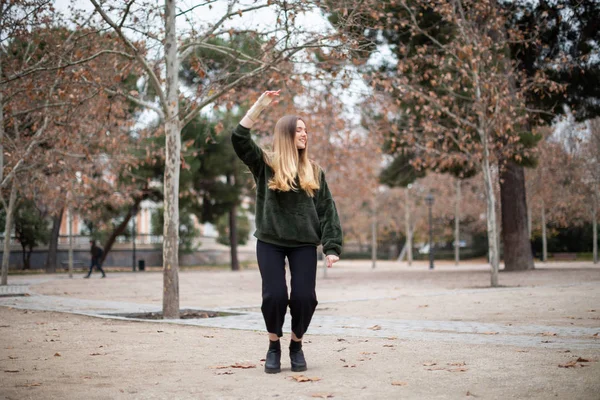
x: 294, y: 214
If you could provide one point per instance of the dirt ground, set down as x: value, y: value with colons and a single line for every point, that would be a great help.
x: 52, y: 355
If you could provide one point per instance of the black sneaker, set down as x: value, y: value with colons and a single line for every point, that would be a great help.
x: 273, y: 358
x: 297, y: 357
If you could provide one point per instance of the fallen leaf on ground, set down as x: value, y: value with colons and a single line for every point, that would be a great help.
x: 522, y: 351
x: 399, y: 383
x: 389, y: 345
x: 459, y: 369
x: 595, y: 334
x: 30, y: 384
x: 591, y: 310
x: 13, y: 357
x: 470, y: 394
x: 96, y: 354
x: 322, y: 395
x: 57, y: 355
x: 436, y: 369
x: 243, y: 365
x: 458, y: 364
x: 429, y: 364
x: 341, y: 340
x: 208, y: 336
x: 350, y: 366
x: 548, y: 334
x: 302, y: 378
x: 375, y: 328
x: 582, y: 360
x: 224, y: 373
x: 570, y: 364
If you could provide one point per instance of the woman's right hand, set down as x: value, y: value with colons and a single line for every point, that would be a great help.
x: 263, y: 102
x: 267, y: 97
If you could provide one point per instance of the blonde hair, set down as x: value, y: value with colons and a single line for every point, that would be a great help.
x: 287, y: 161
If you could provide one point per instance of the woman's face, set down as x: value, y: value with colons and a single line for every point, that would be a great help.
x: 301, y: 135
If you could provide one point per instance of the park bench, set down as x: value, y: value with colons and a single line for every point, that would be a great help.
x: 564, y: 256
x: 76, y: 264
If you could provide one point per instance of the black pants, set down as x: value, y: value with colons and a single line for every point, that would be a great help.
x: 96, y: 263
x: 303, y: 298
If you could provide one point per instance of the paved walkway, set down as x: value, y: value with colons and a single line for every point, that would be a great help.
x: 23, y: 296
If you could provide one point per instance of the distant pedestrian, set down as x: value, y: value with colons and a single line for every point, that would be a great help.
x: 97, y: 254
x: 295, y: 212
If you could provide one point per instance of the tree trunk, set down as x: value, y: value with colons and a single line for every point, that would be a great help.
x: 544, y: 237
x: 172, y: 165
x: 529, y: 222
x: 457, y: 224
x: 27, y: 258
x: 517, y: 246
x: 233, y: 238
x: 53, y: 245
x: 118, y: 231
x: 407, y: 228
x: 70, y: 223
x: 595, y: 229
x: 374, y: 235
x: 492, y: 225
x: 7, y: 229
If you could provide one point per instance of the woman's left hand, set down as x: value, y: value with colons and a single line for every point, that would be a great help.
x: 331, y: 259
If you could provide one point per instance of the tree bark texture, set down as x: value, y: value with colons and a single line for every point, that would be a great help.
x: 457, y: 224
x: 172, y: 169
x: 233, y: 238
x: 70, y: 232
x: 544, y: 235
x: 517, y: 246
x: 595, y: 229
x: 407, y: 228
x: 53, y: 245
x: 492, y: 224
x: 118, y: 231
x: 7, y: 229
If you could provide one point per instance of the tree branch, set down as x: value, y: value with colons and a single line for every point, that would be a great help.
x: 153, y: 78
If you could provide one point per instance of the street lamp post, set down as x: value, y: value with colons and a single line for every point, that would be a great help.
x: 134, y: 233
x: 429, y: 199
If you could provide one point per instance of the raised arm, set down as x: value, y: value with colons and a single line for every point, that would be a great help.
x: 245, y: 148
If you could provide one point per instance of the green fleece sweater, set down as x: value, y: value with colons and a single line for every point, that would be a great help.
x: 293, y: 218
